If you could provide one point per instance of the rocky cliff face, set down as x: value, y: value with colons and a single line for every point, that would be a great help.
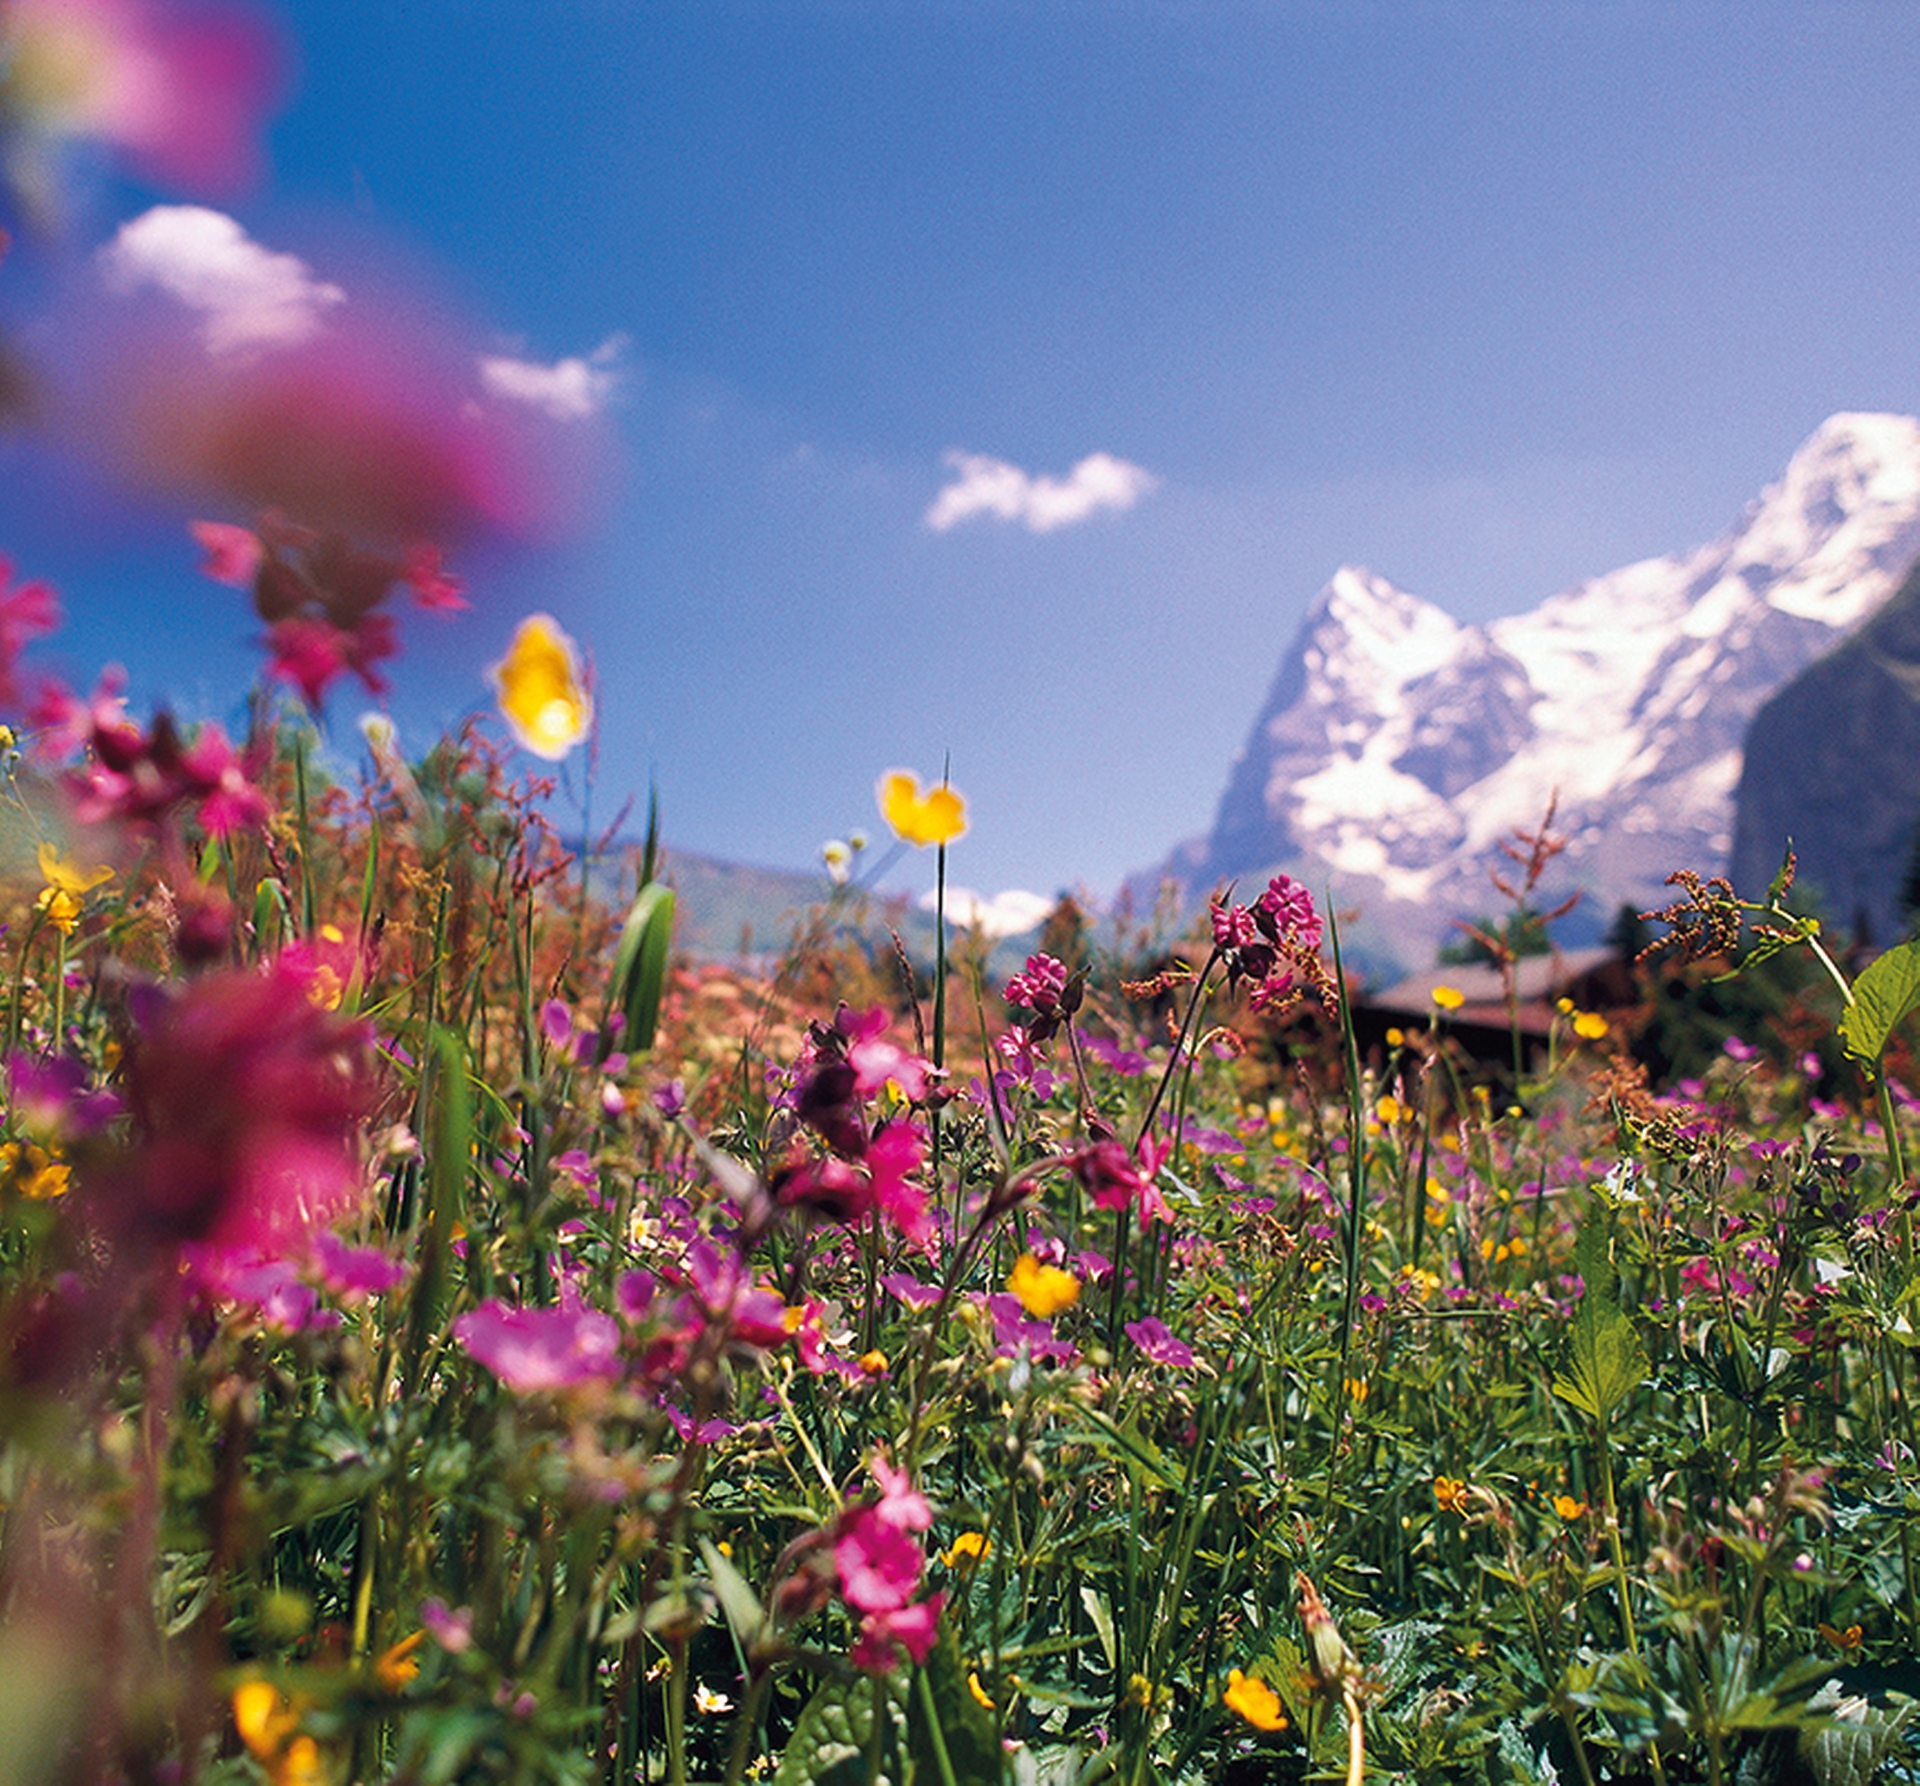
x: 1397, y: 746
x: 1833, y: 763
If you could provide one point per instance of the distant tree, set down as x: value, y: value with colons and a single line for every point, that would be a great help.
x: 1064, y: 934
x: 1910, y: 884
x: 1629, y: 933
x: 1483, y: 941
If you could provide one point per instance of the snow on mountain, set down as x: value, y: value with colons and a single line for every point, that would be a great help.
x: 1398, y: 746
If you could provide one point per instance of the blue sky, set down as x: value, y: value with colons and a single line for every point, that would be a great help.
x: 1489, y: 297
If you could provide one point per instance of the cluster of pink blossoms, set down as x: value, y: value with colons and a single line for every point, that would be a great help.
x: 871, y: 1556
x: 322, y: 597
x: 248, y: 1101
x: 1273, y: 945
x: 867, y: 1169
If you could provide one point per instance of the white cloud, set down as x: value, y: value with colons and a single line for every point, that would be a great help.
x: 988, y: 486
x: 249, y: 296
x: 569, y: 390
x: 1012, y: 913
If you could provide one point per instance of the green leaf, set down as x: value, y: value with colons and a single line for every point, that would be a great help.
x: 944, y: 1720
x: 640, y: 966
x: 1606, y: 1361
x: 741, y: 1604
x: 829, y: 1744
x: 1884, y: 994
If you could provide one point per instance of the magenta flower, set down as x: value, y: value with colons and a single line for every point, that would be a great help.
x: 1285, y: 914
x: 234, y: 554
x: 909, y: 1290
x: 249, y: 1104
x: 896, y: 1153
x: 1155, y: 1338
x: 880, y: 1564
x: 181, y: 92
x: 355, y: 1273
x: 532, y: 1350
x: 1113, y: 1179
x: 27, y: 612
x: 143, y: 779
x: 912, y: 1628
x: 51, y: 1099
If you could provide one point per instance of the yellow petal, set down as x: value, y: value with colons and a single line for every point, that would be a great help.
x: 66, y: 875
x: 937, y: 816
x: 1043, y: 1290
x: 542, y: 694
x: 1255, y: 1701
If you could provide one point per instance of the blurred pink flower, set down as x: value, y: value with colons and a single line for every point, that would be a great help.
x: 143, y: 779
x: 181, y: 91
x: 536, y: 1349
x: 880, y: 1564
x: 912, y: 1628
x: 354, y: 1273
x: 249, y: 1103
x: 1156, y: 1339
x: 27, y: 612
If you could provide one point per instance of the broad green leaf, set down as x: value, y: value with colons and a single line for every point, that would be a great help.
x: 640, y: 966
x: 1102, y: 1615
x: 1883, y: 995
x: 737, y: 1599
x: 1606, y: 1361
x: 829, y: 1744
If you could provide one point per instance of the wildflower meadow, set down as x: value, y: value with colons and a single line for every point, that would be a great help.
x: 449, y: 1335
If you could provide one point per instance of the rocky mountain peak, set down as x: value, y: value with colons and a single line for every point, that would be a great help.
x: 1398, y: 746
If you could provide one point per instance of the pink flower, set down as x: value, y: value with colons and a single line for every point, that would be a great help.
x: 1285, y: 914
x: 355, y: 1273
x: 249, y: 1103
x: 879, y: 1562
x: 532, y: 1350
x: 312, y: 653
x: 1114, y: 1180
x: 1156, y: 1339
x: 896, y: 1153
x: 880, y: 1565
x: 181, y: 91
x: 912, y: 1628
x: 432, y: 587
x: 233, y: 553
x: 27, y: 612
x: 142, y: 779
x: 900, y: 1503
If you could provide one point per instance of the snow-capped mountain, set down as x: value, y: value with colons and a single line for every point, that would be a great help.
x: 1398, y: 746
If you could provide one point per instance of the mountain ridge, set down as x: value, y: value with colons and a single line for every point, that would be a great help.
x: 1398, y: 746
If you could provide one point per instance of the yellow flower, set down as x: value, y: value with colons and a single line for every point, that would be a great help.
x: 1450, y: 1492
x: 542, y: 692
x: 1389, y: 1109
x: 68, y: 875
x: 393, y: 1668
x: 269, y: 1724
x: 874, y: 1363
x: 1849, y: 1639
x: 36, y: 1174
x: 1589, y: 1026
x: 1568, y: 1508
x: 969, y: 1545
x: 67, y: 885
x: 1255, y: 1701
x: 1448, y: 998
x: 979, y: 1692
x: 937, y: 816
x: 1043, y: 1290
